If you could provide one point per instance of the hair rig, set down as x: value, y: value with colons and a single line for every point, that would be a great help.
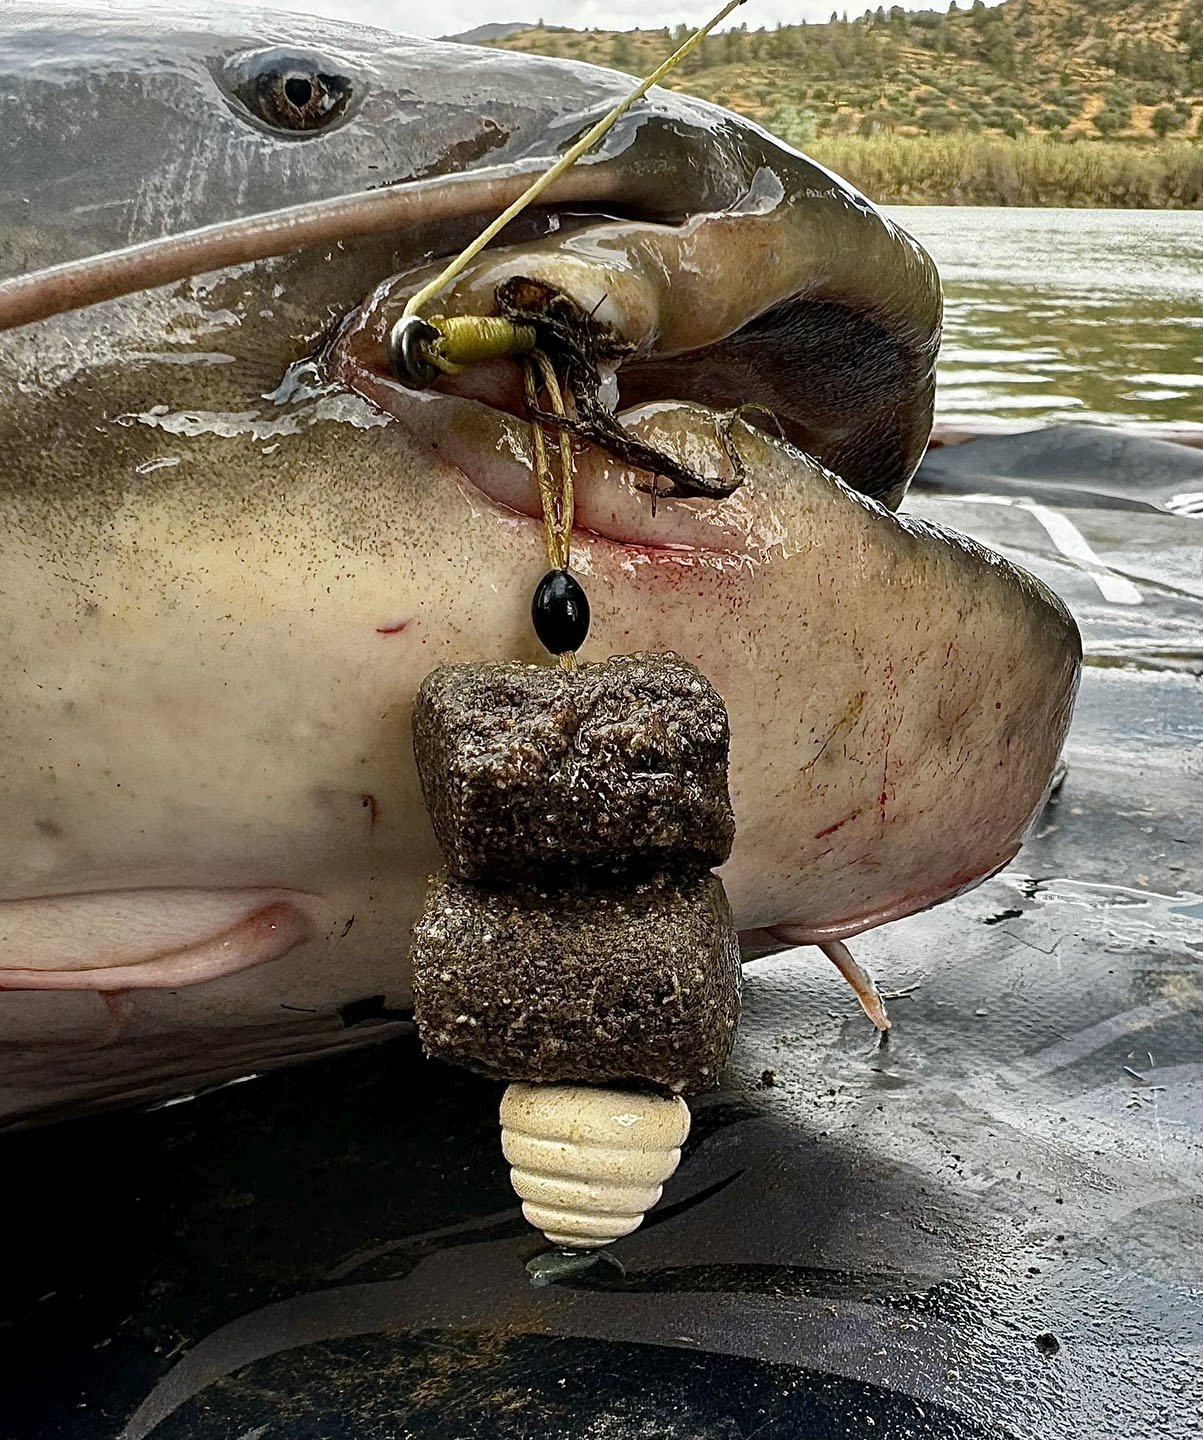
x: 578, y: 943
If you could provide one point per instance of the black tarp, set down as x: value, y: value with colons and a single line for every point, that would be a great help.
x: 992, y: 1226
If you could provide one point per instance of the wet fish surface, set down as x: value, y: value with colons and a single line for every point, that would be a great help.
x: 234, y: 544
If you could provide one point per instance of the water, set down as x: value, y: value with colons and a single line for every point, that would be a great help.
x: 1067, y: 315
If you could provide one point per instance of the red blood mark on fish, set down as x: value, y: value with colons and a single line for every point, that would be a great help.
x: 398, y: 627
x: 839, y: 825
x: 369, y: 804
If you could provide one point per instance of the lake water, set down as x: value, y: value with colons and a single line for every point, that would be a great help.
x: 1086, y: 315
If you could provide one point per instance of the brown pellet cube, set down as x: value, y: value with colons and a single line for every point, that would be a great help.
x: 533, y: 773
x: 614, y: 985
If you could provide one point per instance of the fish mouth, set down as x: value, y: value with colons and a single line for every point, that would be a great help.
x: 742, y: 274
x: 730, y: 323
x: 488, y: 445
x: 145, y: 939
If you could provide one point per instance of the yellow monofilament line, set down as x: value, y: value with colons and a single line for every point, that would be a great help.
x: 558, y: 501
x: 565, y: 162
x: 567, y: 498
x: 543, y: 476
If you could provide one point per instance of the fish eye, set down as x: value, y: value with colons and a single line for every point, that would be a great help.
x: 289, y: 92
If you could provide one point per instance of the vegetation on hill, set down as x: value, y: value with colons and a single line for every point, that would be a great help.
x: 988, y: 170
x: 1030, y: 102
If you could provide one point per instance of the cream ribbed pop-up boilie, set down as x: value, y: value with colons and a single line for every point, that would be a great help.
x: 589, y: 1163
x: 579, y: 943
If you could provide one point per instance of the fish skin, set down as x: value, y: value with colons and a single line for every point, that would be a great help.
x: 226, y: 571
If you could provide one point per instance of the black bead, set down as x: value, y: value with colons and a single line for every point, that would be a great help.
x: 560, y: 612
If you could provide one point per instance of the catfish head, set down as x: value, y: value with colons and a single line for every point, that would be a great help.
x: 234, y: 543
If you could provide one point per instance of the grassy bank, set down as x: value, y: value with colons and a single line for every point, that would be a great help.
x: 994, y: 170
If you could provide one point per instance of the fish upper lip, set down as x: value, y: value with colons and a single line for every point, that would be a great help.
x: 172, y: 937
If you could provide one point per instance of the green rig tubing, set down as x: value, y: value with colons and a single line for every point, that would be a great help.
x: 467, y: 339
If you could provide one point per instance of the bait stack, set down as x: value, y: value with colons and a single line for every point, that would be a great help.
x: 578, y: 942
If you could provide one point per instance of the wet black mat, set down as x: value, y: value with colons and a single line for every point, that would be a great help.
x: 991, y: 1227
x: 1076, y: 466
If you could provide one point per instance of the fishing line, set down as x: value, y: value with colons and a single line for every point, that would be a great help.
x: 557, y: 498
x: 422, y: 349
x: 564, y: 163
x: 555, y: 490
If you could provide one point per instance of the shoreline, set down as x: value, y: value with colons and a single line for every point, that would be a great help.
x: 994, y: 170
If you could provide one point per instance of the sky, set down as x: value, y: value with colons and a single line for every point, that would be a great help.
x: 449, y: 17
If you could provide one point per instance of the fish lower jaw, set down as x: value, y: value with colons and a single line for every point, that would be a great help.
x: 488, y: 446
x: 144, y: 939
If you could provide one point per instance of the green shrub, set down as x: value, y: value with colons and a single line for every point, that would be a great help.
x: 1052, y: 119
x: 1111, y: 119
x: 1163, y: 120
x: 622, y: 55
x: 937, y: 120
x: 881, y: 121
x: 793, y: 124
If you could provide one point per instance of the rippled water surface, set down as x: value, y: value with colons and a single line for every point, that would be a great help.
x: 1090, y: 315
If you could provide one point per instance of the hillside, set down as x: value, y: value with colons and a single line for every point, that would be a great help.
x: 482, y: 34
x: 1072, y: 69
